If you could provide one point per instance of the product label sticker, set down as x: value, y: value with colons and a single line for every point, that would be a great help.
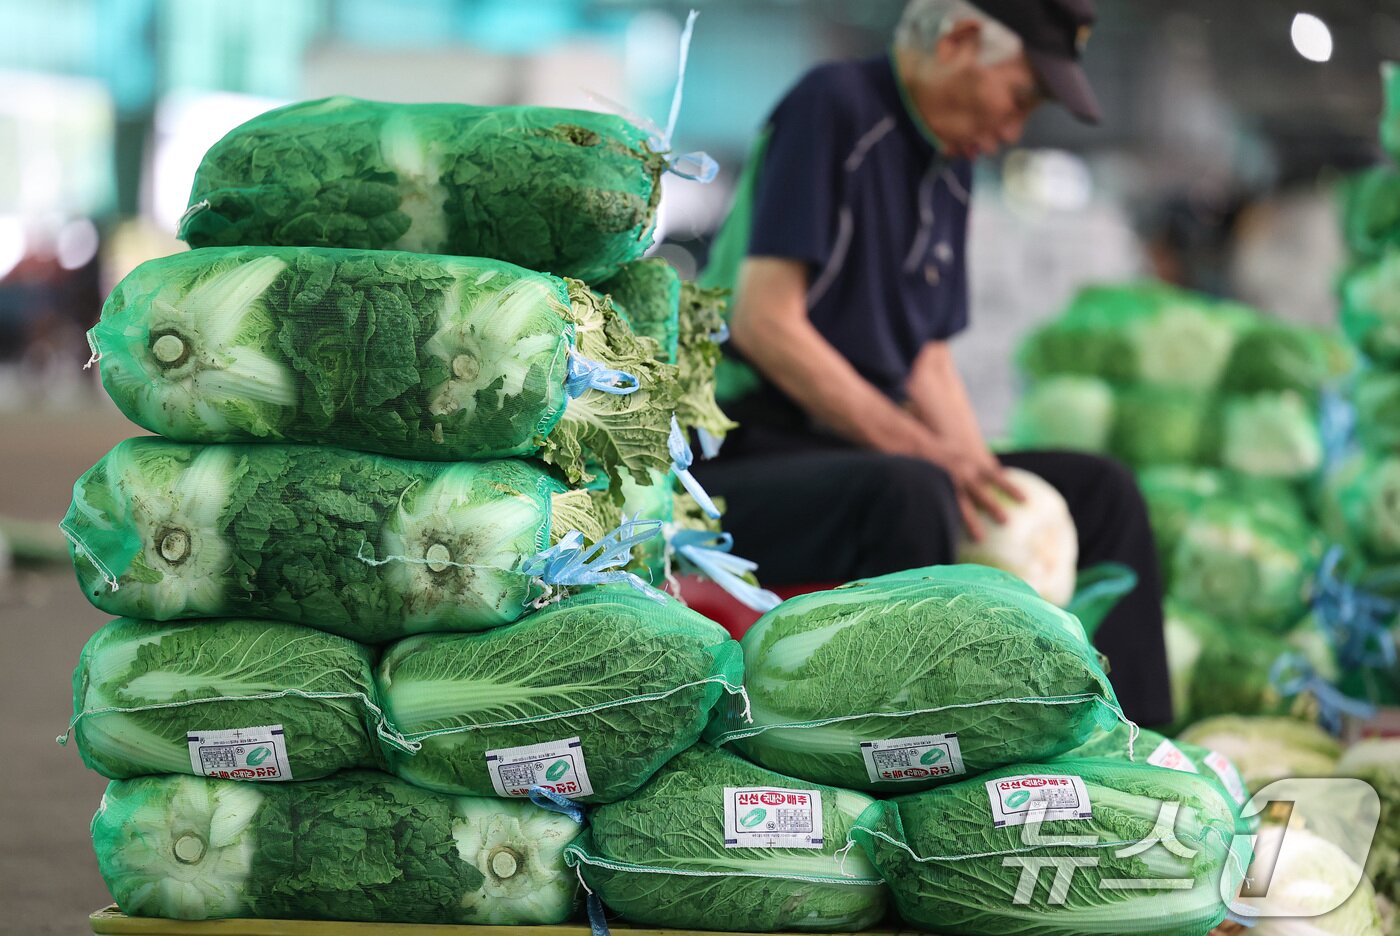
x: 772, y: 817
x: 902, y: 760
x: 258, y: 753
x: 557, y: 766
x: 1168, y: 755
x: 1229, y: 776
x: 1043, y: 797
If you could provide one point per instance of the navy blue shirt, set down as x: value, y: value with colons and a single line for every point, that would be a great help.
x: 849, y: 180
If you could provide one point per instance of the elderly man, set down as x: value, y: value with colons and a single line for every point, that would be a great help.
x: 859, y: 452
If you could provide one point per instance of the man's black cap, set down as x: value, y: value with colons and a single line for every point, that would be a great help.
x: 1054, y: 33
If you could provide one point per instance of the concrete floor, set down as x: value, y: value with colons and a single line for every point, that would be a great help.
x: 48, y: 876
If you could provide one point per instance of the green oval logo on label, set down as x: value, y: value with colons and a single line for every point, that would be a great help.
x: 257, y: 755
x: 557, y: 769
x: 932, y: 756
x: 1018, y: 799
x: 754, y: 818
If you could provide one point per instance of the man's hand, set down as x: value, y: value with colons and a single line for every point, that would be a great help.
x: 981, y: 484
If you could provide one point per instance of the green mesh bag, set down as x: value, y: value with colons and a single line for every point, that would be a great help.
x: 1376, y: 396
x: 1390, y: 119
x: 1361, y: 505
x: 1370, y: 209
x: 696, y: 848
x: 1162, y: 426
x: 648, y: 295
x: 438, y: 358
x: 573, y: 192
x: 972, y: 860
x: 1270, y: 435
x: 917, y: 678
x: 1371, y: 308
x: 360, y: 846
x: 1217, y: 669
x: 246, y: 700
x: 1278, y: 356
x: 1091, y: 338
x: 1247, y: 563
x: 587, y: 697
x: 1064, y: 412
x: 366, y: 546
x: 1157, y: 750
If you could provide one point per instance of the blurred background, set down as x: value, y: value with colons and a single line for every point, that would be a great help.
x: 1226, y: 128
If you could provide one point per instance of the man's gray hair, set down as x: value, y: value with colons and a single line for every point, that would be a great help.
x: 926, y: 21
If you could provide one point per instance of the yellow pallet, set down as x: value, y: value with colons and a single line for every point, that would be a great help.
x: 110, y: 920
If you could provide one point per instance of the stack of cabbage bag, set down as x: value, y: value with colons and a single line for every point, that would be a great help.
x: 372, y: 592
x: 1360, y: 496
x: 920, y: 738
x: 1227, y: 416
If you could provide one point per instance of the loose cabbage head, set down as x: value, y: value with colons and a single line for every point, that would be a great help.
x: 1377, y: 761
x: 1268, y: 749
x: 359, y: 846
x: 659, y: 858
x: 1065, y: 412
x: 1310, y: 873
x: 966, y: 650
x: 1038, y: 542
x: 950, y: 870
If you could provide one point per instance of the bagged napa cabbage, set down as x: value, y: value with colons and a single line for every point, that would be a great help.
x: 609, y: 682
x: 1218, y: 669
x: 1390, y: 118
x: 359, y: 846
x: 1376, y: 396
x: 1037, y: 543
x: 1370, y: 211
x: 1377, y: 761
x: 440, y: 358
x: 144, y: 690
x: 970, y: 859
x: 1371, y: 308
x: 1065, y: 412
x: 1250, y: 563
x: 698, y: 357
x: 1270, y: 435
x: 647, y: 293
x: 1309, y: 874
x: 1268, y: 749
x: 1361, y: 505
x: 1163, y: 426
x: 369, y: 547
x: 666, y: 856
x: 1281, y: 357
x: 909, y: 680
x: 569, y: 191
x: 1129, y: 744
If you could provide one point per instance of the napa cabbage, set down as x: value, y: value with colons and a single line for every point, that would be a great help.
x: 948, y: 650
x: 1266, y: 749
x: 660, y: 857
x: 1309, y: 874
x: 1361, y: 505
x: 1271, y: 435
x: 1377, y: 761
x: 1371, y: 307
x: 360, y: 846
x: 1037, y: 543
x: 1065, y: 412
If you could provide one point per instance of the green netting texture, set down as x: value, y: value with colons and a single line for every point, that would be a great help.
x: 428, y: 357
x: 659, y: 858
x: 1371, y: 308
x: 568, y: 191
x: 360, y: 846
x: 634, y: 679
x: 648, y: 294
x: 366, y: 546
x: 963, y: 650
x: 1361, y: 505
x: 952, y: 871
x: 142, y: 686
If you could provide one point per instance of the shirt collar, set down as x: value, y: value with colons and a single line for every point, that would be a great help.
x: 906, y: 99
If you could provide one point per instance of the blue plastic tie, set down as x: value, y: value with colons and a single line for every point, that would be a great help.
x: 681, y: 460
x: 1336, y: 426
x: 556, y: 802
x: 1357, y: 622
x: 709, y: 552
x: 585, y: 375
x: 596, y: 920
x: 721, y: 336
x: 709, y: 443
x: 572, y: 562
x: 1292, y: 675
